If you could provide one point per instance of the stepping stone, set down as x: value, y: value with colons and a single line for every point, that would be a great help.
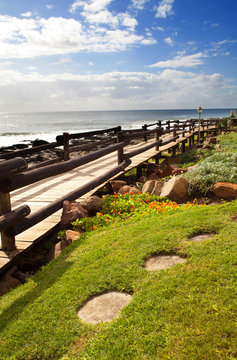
x: 159, y: 262
x: 201, y: 237
x: 103, y: 308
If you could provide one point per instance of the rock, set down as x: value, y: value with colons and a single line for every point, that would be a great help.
x: 117, y: 184
x: 178, y: 171
x: 172, y: 170
x: 71, y: 235
x: 142, y: 179
x: 72, y: 210
x: 8, y: 282
x: 191, y: 167
x: 38, y: 142
x: 148, y: 186
x: 168, y: 171
x: 92, y: 204
x: 211, y: 140
x: 157, y: 188
x: 58, y: 248
x: 175, y: 189
x: 151, y: 168
x: 225, y: 190
x: 128, y: 190
x: 153, y: 176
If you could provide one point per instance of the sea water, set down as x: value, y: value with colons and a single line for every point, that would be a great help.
x: 25, y: 127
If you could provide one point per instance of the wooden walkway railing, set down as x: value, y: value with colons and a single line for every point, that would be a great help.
x: 51, y: 181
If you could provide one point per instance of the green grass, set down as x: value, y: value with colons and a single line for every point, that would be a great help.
x: 185, y: 312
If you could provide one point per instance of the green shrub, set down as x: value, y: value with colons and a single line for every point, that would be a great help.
x: 217, y: 167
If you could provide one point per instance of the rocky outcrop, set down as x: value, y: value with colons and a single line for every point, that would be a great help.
x: 175, y: 189
x: 225, y: 190
x: 92, y: 204
x: 72, y: 210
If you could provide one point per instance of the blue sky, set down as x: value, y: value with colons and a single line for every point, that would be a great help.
x: 117, y: 55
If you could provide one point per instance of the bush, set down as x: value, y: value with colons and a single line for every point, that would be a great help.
x: 217, y: 167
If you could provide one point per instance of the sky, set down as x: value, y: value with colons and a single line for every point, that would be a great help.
x: 79, y: 55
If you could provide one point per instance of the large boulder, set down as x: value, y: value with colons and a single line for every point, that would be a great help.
x: 72, y: 210
x: 175, y: 189
x: 225, y: 190
x: 92, y: 204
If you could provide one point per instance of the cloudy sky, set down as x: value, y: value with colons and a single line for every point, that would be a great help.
x: 61, y: 55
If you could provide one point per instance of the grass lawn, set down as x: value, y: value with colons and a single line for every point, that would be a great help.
x: 184, y: 312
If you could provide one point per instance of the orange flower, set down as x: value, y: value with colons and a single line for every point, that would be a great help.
x: 119, y: 213
x: 107, y: 220
x: 94, y: 227
x: 113, y: 211
x: 101, y: 214
x: 132, y: 208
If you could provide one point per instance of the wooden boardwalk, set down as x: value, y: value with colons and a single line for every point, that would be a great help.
x: 43, y: 192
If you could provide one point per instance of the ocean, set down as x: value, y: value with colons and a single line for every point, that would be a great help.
x: 25, y: 127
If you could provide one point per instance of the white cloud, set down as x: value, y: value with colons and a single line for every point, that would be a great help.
x: 181, y: 61
x: 113, y: 90
x: 169, y: 41
x: 139, y: 4
x: 27, y: 14
x: 28, y: 38
x: 49, y: 6
x: 165, y: 8
x: 90, y: 5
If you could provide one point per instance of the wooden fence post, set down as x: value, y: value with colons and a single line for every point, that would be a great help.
x: 120, y: 138
x: 144, y: 128
x: 8, y: 243
x: 168, y: 124
x: 66, y: 146
x: 157, y: 138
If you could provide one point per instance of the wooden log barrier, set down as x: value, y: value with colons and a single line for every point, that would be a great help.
x: 12, y: 217
x: 30, y: 177
x: 11, y: 167
x: 54, y: 206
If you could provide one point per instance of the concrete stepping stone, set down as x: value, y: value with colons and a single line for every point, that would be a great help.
x: 103, y: 308
x: 159, y: 262
x: 201, y: 237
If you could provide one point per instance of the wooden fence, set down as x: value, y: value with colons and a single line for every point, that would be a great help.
x: 15, y: 174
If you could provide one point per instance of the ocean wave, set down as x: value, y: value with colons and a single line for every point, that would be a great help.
x: 16, y: 133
